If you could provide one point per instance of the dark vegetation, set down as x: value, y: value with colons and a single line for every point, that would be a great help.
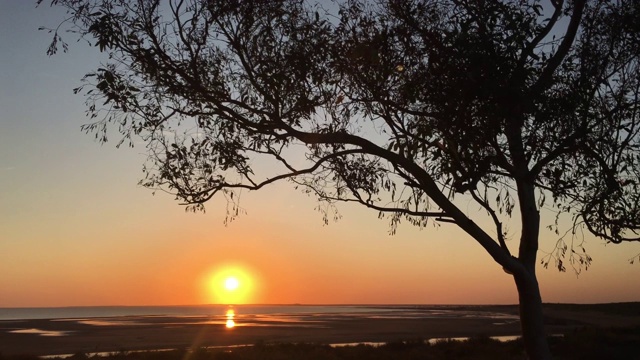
x: 584, y: 344
x: 624, y: 309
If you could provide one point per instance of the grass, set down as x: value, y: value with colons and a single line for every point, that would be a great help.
x: 583, y: 344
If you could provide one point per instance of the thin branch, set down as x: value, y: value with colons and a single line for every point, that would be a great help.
x: 496, y: 221
x: 212, y: 191
x: 563, y: 49
x: 528, y: 51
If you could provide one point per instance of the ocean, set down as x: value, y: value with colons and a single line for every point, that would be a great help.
x: 277, y: 313
x: 177, y: 311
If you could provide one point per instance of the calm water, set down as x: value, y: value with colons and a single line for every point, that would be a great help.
x: 178, y: 311
x: 220, y: 313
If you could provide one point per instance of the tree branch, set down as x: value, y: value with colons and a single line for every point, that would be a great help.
x: 496, y: 221
x: 212, y: 191
x: 528, y: 51
x: 557, y: 58
x: 427, y: 184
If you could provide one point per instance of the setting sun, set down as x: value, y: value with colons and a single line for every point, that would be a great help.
x: 230, y: 284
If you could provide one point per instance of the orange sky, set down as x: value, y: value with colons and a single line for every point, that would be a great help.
x: 75, y: 229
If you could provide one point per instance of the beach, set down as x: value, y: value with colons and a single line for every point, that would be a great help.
x: 130, y: 333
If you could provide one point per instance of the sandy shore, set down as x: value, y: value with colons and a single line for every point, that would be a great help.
x: 176, y: 332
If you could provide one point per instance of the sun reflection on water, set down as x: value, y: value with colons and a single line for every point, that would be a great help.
x: 230, y: 316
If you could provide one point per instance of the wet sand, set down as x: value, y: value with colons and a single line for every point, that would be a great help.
x: 147, y: 333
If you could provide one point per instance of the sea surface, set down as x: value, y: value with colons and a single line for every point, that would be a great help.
x: 177, y: 311
x: 276, y: 313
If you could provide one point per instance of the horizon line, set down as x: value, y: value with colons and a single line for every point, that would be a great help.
x: 308, y: 304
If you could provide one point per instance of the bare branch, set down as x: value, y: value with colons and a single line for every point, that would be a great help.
x: 545, y: 78
x: 494, y: 217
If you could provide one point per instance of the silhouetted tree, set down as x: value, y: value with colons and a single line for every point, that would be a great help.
x: 402, y: 106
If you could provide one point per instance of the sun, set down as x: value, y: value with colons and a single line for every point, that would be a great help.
x: 231, y: 283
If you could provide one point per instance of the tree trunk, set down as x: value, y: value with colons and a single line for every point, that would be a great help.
x: 531, y: 318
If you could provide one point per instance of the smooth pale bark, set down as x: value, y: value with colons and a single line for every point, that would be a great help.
x: 531, y: 317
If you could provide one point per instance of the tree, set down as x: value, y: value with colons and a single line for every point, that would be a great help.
x: 403, y: 107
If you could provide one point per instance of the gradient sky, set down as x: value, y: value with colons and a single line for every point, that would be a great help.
x: 76, y: 229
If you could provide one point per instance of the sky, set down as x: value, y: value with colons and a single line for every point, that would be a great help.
x: 77, y: 230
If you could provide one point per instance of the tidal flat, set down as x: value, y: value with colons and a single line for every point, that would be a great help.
x: 391, y: 332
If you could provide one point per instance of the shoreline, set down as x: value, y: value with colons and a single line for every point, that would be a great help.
x: 134, y: 333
